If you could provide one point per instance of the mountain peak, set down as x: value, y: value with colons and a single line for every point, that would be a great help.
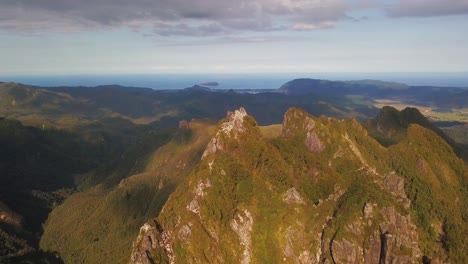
x: 233, y: 125
x: 392, y: 118
x: 296, y: 122
x: 390, y: 125
x: 235, y: 122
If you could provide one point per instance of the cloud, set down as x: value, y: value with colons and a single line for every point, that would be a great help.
x: 428, y: 8
x: 307, y: 27
x: 170, y: 17
x: 203, y: 18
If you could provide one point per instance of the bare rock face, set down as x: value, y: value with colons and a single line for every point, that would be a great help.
x: 343, y: 251
x: 232, y: 127
x: 242, y: 225
x: 184, y: 232
x: 152, y: 237
x: 235, y: 122
x: 293, y: 197
x: 312, y: 141
x: 294, y: 121
x: 194, y: 205
x: 372, y: 253
x: 395, y: 184
x: 368, y: 210
x: 401, y: 236
x: 393, y: 238
x: 421, y: 165
x: 213, y: 146
x: 296, y: 249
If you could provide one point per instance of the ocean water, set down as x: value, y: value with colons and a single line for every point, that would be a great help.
x: 235, y: 81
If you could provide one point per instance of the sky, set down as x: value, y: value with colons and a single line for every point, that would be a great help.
x: 60, y: 37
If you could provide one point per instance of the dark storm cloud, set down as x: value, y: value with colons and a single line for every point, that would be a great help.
x: 170, y: 17
x: 428, y: 8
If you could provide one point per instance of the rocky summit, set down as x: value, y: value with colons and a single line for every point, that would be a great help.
x: 322, y: 191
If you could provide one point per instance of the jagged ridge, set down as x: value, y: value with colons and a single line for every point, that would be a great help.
x: 323, y: 191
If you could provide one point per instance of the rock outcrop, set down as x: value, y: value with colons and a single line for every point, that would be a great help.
x: 232, y: 127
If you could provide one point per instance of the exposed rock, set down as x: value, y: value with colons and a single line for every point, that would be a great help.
x: 210, y: 164
x: 339, y: 153
x: 293, y: 197
x: 235, y: 122
x: 290, y: 120
x: 296, y: 248
x: 201, y: 187
x: 421, y: 166
x: 242, y: 225
x: 184, y: 232
x: 394, y: 240
x: 372, y: 253
x: 305, y: 257
x: 385, y: 248
x: 213, y: 146
x: 312, y: 141
x: 295, y: 120
x: 403, y: 230
x: 355, y: 150
x: 395, y: 184
x: 194, y: 205
x: 355, y: 228
x: 233, y: 126
x: 368, y: 210
x: 150, y: 238
x: 344, y: 251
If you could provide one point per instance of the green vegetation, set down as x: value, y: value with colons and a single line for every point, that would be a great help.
x: 29, y: 189
x: 436, y: 183
x: 104, y: 160
x: 459, y: 133
x: 291, y: 194
x: 271, y: 131
x: 98, y: 225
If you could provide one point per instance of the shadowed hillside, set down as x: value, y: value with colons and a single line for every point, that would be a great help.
x: 98, y: 225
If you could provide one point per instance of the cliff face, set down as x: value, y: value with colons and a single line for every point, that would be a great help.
x: 322, y: 192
